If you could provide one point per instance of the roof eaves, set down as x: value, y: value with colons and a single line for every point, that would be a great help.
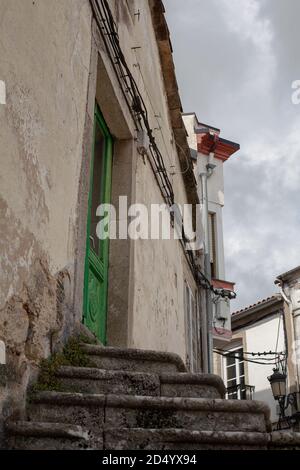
x: 256, y: 312
x: 258, y: 304
x: 289, y: 274
x: 173, y: 99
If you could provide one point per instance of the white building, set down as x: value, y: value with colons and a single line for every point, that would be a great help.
x: 210, y: 152
x: 289, y: 285
x: 257, y: 329
x: 264, y: 336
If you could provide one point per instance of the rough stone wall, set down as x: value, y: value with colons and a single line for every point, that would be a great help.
x: 45, y: 54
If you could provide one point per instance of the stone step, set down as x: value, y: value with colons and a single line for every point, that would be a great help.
x: 58, y: 436
x: 91, y: 411
x: 192, y: 385
x: 48, y: 436
x: 285, y: 440
x: 182, y: 439
x: 137, y: 360
x: 186, y: 413
x: 93, y: 380
x: 84, y: 409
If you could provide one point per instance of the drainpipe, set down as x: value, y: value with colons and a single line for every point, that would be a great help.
x: 283, y: 294
x: 205, y: 222
x: 203, y: 331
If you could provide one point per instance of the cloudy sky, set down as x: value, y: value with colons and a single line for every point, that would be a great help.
x: 235, y: 62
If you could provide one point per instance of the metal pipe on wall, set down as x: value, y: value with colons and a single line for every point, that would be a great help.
x: 205, y: 221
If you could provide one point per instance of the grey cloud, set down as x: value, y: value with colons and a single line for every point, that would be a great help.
x: 243, y: 86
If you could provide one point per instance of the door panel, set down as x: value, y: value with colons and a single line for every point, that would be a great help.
x: 96, y: 263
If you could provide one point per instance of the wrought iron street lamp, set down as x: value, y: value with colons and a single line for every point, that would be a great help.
x: 278, y: 385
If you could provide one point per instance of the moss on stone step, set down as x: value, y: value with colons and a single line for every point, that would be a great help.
x: 72, y: 355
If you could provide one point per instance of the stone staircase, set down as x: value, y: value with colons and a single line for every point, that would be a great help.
x: 135, y: 399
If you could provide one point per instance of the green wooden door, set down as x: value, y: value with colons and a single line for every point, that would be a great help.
x: 96, y: 262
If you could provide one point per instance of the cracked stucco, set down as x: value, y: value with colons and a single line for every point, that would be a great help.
x: 41, y: 137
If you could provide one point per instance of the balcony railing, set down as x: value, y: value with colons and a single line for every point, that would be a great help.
x: 240, y: 392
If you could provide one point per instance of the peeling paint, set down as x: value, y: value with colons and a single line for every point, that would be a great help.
x: 24, y: 118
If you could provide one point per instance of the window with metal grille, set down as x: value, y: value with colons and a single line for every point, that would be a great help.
x: 212, y: 227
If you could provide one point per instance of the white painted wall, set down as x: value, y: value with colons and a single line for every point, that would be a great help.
x: 215, y: 186
x: 262, y: 337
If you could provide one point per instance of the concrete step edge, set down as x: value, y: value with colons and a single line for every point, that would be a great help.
x: 183, y: 435
x: 135, y: 354
x: 93, y: 373
x: 195, y: 379
x: 69, y: 398
x: 205, y: 404
x: 138, y: 401
x: 285, y: 438
x: 43, y: 429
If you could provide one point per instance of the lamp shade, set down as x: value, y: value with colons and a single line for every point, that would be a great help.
x: 278, y: 384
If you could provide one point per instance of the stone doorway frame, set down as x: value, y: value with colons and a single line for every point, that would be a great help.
x: 103, y: 87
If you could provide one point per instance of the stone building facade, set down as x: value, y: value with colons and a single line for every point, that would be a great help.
x: 62, y: 86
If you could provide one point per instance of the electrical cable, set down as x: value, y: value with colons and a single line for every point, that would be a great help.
x: 265, y: 353
x: 130, y: 91
x: 154, y: 112
x: 221, y: 353
x: 139, y: 113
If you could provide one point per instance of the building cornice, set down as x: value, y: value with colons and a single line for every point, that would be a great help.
x: 291, y: 275
x: 208, y: 142
x: 220, y: 284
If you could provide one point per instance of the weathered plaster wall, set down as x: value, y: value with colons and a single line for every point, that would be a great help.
x: 139, y: 46
x: 159, y: 275
x: 160, y: 268
x: 45, y: 137
x: 45, y: 56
